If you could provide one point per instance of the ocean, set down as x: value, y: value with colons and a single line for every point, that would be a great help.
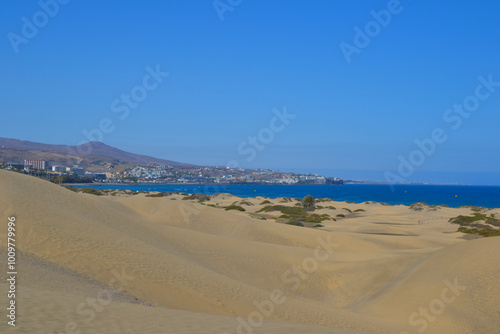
x: 451, y: 195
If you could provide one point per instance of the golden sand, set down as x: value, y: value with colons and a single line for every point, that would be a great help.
x: 136, y: 264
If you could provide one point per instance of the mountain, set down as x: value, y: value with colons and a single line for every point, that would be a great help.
x: 93, y: 154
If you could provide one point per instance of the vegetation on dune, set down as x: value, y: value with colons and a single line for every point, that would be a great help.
x: 295, y: 223
x: 296, y: 214
x: 158, y: 195
x: 486, y: 231
x: 265, y: 202
x: 198, y: 197
x: 91, y: 191
x: 468, y: 220
x: 234, y: 207
x: 419, y: 206
x: 258, y: 217
x: 471, y: 225
x: 283, y: 209
x: 340, y: 215
x: 308, y: 203
x: 475, y: 208
x: 319, y: 200
x: 359, y: 210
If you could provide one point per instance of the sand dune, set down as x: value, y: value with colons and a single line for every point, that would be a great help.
x: 158, y: 265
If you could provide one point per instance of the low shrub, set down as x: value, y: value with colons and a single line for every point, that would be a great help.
x: 156, y: 195
x: 198, y: 197
x: 295, y: 223
x: 234, y: 207
x: 91, y: 191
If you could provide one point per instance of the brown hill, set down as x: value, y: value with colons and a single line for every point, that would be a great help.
x: 86, y: 155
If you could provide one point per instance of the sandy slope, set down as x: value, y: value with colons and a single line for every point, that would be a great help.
x: 182, y: 267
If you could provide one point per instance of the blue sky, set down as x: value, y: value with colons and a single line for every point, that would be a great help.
x: 225, y: 77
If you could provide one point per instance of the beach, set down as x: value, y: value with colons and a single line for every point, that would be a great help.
x: 155, y: 263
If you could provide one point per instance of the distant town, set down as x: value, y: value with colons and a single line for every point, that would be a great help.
x: 163, y: 174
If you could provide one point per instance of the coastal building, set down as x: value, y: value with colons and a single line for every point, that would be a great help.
x: 78, y: 171
x: 36, y: 164
x: 58, y: 169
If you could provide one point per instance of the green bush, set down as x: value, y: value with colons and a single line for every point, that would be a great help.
x: 234, y: 207
x: 198, y: 197
x: 308, y: 203
x: 295, y: 223
x: 156, y: 195
x: 468, y: 220
x: 91, y: 191
x: 283, y: 209
x: 258, y: 217
x: 313, y: 221
x: 485, y: 232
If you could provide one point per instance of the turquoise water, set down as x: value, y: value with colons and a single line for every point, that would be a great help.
x: 454, y: 196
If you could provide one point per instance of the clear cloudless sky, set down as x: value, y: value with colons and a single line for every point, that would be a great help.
x: 353, y: 120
